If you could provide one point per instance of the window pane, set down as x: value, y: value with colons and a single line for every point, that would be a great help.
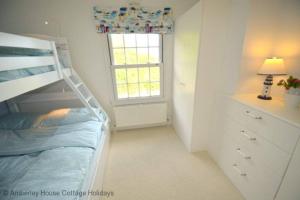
x: 122, y: 91
x: 120, y: 76
x: 117, y: 40
x: 154, y: 74
x: 143, y: 50
x: 154, y: 55
x: 133, y: 90
x: 131, y: 56
x: 144, y: 89
x: 142, y: 54
x: 153, y: 40
x: 144, y: 75
x: 129, y: 40
x: 119, y: 57
x: 132, y: 75
x: 142, y: 40
x: 155, y: 89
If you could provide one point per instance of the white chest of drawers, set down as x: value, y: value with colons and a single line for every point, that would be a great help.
x: 259, y: 141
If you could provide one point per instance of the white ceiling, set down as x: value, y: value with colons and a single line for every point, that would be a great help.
x: 178, y: 6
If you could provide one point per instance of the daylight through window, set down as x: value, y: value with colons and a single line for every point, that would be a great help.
x: 136, y: 65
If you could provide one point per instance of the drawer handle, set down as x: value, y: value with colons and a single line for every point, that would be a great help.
x: 235, y: 166
x: 243, y: 132
x: 248, y: 113
x: 246, y: 157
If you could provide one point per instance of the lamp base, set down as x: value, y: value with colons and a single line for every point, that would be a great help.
x: 267, y: 88
x: 264, y: 97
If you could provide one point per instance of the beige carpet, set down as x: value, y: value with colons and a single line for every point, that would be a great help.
x: 152, y: 164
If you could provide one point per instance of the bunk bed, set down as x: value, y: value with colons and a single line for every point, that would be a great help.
x: 27, y: 62
x: 56, y: 155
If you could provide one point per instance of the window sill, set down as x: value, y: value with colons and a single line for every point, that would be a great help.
x: 133, y: 101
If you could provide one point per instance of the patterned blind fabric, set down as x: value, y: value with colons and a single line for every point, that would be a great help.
x: 133, y: 20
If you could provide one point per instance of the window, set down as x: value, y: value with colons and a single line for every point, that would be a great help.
x: 136, y: 64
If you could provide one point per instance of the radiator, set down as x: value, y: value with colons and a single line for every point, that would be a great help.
x: 140, y: 115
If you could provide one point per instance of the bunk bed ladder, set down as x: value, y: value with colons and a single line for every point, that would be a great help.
x: 84, y: 94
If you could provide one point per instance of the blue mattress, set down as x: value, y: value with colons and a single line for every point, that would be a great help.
x: 17, y: 51
x: 16, y: 121
x: 48, y: 162
x: 52, y: 171
x: 22, y: 73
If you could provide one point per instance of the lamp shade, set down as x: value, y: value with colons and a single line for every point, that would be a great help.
x: 273, y: 66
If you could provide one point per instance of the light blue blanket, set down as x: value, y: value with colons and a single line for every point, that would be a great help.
x: 32, y: 120
x: 47, y: 175
x: 27, y: 141
x: 49, y: 163
x: 21, y: 73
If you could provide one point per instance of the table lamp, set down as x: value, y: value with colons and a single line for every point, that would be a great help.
x: 271, y: 66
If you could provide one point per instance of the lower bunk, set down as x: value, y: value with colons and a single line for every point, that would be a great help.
x: 58, y: 155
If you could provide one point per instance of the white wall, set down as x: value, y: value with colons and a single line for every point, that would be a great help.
x: 73, y: 19
x: 237, y: 35
x: 273, y: 29
x: 186, y: 46
x: 206, y: 69
x: 222, y: 37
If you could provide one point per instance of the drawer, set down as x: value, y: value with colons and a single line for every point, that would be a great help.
x: 228, y: 151
x: 234, y: 168
x: 274, y: 130
x: 257, y: 185
x: 253, y: 164
x: 262, y: 183
x: 229, y: 162
x: 255, y: 150
x: 251, y: 185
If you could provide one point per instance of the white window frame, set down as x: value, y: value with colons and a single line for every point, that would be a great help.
x: 136, y: 100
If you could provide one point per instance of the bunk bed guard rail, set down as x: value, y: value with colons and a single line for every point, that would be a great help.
x: 27, y: 62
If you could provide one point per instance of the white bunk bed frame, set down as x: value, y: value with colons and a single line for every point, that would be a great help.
x: 13, y: 88
x: 10, y: 89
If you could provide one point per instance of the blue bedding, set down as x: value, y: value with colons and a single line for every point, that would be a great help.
x: 57, y: 170
x: 17, y: 121
x: 55, y: 157
x: 17, y: 51
x: 22, y: 73
x: 19, y: 142
x: 73, y: 116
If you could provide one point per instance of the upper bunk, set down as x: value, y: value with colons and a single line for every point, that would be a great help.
x: 26, y: 64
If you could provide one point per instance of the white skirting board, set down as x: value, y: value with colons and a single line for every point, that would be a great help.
x: 140, y: 115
